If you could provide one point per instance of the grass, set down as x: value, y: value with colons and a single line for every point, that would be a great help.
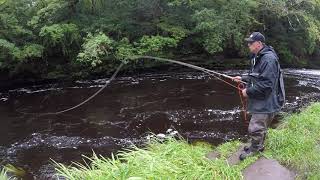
x: 3, y: 174
x: 174, y: 159
x: 295, y: 144
x: 15, y: 172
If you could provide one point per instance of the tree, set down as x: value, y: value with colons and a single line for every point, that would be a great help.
x: 76, y: 33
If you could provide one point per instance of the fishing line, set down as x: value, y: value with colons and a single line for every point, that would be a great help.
x: 82, y: 103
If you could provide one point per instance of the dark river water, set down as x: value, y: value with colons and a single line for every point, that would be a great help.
x: 192, y: 103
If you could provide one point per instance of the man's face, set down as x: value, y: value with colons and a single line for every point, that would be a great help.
x: 254, y: 47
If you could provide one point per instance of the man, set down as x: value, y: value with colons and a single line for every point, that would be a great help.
x: 264, y: 91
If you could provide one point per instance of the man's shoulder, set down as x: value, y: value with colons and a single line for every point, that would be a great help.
x: 269, y: 57
x: 269, y: 54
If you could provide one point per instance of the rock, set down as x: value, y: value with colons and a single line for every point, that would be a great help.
x: 213, y: 155
x: 161, y: 136
x: 169, y: 131
x: 173, y: 133
x: 265, y: 169
x: 233, y: 159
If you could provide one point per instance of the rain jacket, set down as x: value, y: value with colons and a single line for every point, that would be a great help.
x: 265, y: 88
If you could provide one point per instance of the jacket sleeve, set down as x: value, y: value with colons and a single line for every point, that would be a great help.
x: 245, y: 78
x: 263, y: 84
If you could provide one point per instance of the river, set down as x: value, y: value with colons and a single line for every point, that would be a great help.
x: 195, y: 105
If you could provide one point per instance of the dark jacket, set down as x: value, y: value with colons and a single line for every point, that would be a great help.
x: 265, y: 86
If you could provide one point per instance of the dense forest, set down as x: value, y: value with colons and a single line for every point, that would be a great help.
x: 75, y: 38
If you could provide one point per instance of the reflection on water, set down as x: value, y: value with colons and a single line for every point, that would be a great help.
x: 197, y: 106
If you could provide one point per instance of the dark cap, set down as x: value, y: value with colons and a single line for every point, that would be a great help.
x: 255, y: 36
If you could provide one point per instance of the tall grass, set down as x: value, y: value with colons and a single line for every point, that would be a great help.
x: 3, y: 174
x: 295, y: 144
x: 174, y: 159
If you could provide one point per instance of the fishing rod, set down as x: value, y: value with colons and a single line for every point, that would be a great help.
x: 240, y: 84
x: 208, y: 71
x: 217, y: 75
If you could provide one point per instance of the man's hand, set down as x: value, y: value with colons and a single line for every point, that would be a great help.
x: 237, y: 78
x: 244, y: 93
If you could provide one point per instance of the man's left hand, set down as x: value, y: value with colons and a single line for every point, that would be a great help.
x: 244, y: 93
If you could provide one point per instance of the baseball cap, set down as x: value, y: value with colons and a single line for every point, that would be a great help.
x: 255, y: 36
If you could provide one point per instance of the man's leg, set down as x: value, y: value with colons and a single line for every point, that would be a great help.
x: 258, y: 127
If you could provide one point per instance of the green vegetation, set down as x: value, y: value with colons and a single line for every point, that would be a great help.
x: 170, y: 160
x: 15, y: 172
x: 295, y: 144
x: 3, y: 174
x: 53, y: 38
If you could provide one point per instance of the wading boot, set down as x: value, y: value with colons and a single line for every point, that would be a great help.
x: 249, y: 152
x: 246, y: 148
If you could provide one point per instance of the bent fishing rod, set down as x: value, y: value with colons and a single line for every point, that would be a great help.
x: 186, y: 64
x: 240, y: 84
x: 217, y: 75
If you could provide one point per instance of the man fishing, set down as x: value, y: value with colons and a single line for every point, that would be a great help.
x: 264, y: 91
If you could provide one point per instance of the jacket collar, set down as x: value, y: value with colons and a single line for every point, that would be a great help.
x: 261, y: 52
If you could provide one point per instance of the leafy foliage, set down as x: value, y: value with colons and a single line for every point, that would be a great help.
x: 63, y: 36
x: 12, y: 54
x: 95, y: 48
x: 56, y: 31
x: 32, y: 51
x: 225, y: 25
x: 149, y: 44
